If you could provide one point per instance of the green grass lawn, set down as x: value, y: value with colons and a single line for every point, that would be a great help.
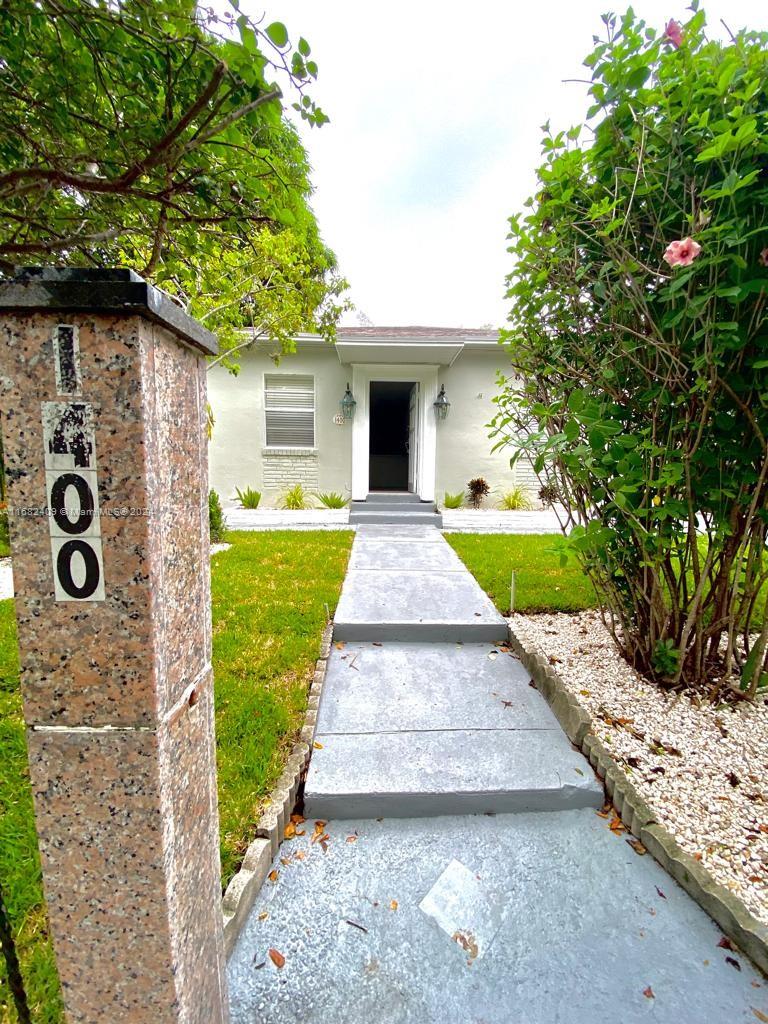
x: 541, y: 584
x: 269, y: 596
x: 269, y: 593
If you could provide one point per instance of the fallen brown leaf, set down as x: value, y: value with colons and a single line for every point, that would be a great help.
x: 263, y: 915
x: 393, y: 905
x: 468, y: 943
x: 637, y: 846
x: 339, y: 645
x: 725, y: 943
x: 658, y: 890
x: 351, y: 839
x: 317, y: 746
x: 759, y: 1014
x: 649, y: 993
x: 277, y: 958
x: 297, y: 819
x: 734, y: 963
x: 272, y: 876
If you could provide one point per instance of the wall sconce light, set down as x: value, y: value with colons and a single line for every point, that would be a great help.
x: 348, y: 404
x: 442, y: 405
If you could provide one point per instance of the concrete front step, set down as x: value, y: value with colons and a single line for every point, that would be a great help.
x: 385, y: 505
x: 388, y: 687
x: 394, y: 553
x: 408, y: 730
x: 397, y: 518
x: 418, y: 604
x: 398, y: 497
x: 424, y: 774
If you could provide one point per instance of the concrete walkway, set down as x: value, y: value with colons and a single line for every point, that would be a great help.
x: 436, y: 896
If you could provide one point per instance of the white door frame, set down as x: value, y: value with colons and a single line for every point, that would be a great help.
x: 414, y: 455
x: 426, y: 376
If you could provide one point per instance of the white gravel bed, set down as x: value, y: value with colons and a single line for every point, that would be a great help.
x: 703, y: 770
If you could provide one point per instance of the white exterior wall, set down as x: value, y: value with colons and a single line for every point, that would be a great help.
x: 463, y: 442
x: 239, y: 458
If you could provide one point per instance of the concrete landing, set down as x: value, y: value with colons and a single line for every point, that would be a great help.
x: 408, y: 586
x: 523, y: 919
x: 410, y: 730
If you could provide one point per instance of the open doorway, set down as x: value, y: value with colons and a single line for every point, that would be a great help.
x: 393, y: 433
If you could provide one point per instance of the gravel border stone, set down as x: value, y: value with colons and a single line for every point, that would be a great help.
x: 270, y: 829
x: 723, y: 906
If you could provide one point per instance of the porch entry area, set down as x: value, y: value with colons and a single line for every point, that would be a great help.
x: 393, y: 432
x: 393, y: 435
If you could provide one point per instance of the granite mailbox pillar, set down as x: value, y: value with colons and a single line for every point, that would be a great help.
x: 102, y: 384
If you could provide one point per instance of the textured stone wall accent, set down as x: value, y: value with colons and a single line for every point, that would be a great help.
x: 284, y: 467
x: 245, y: 885
x: 723, y: 906
x: 118, y: 689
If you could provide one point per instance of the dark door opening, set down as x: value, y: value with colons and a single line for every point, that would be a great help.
x: 389, y: 422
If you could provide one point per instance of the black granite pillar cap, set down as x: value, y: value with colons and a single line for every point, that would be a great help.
x: 96, y: 290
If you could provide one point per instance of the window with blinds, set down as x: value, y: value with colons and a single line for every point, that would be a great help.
x: 289, y: 402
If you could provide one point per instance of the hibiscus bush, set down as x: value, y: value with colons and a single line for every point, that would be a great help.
x: 639, y: 333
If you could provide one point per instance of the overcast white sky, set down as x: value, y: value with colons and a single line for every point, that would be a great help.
x: 435, y: 134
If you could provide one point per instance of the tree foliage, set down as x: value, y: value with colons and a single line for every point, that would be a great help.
x: 152, y: 133
x: 639, y: 329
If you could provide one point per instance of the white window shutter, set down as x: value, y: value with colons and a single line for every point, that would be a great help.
x: 289, y: 401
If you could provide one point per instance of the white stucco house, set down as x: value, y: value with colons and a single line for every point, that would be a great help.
x: 277, y: 425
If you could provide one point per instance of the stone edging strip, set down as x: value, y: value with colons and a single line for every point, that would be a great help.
x: 723, y: 906
x: 245, y: 885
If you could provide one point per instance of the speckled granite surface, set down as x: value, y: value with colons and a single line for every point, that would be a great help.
x: 118, y: 692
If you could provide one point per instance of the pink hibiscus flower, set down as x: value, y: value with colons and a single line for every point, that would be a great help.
x: 674, y: 33
x: 682, y: 253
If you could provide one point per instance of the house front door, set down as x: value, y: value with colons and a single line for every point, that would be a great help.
x: 393, y: 429
x: 413, y: 437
